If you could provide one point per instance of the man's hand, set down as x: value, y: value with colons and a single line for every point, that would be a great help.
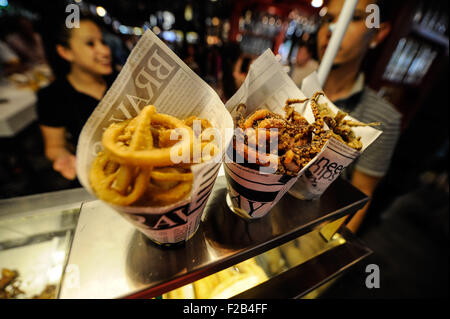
x: 66, y: 165
x: 366, y: 184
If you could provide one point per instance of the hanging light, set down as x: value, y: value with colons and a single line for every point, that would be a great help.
x: 188, y: 13
x: 215, y: 21
x: 123, y: 29
x: 100, y: 11
x: 317, y: 3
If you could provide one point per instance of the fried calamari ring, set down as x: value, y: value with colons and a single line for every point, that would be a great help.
x: 204, y: 123
x: 171, y: 174
x: 103, y: 178
x: 141, y: 155
x: 160, y: 196
x: 123, y: 184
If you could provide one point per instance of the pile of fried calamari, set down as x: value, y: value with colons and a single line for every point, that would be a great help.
x: 9, y: 287
x: 136, y: 166
x: 298, y: 141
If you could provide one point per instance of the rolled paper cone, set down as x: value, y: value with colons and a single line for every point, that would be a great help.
x: 324, y: 171
x: 154, y: 75
x: 178, y: 222
x: 251, y: 194
x: 335, y: 156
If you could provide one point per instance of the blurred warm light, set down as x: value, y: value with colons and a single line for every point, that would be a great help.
x: 188, y: 13
x: 191, y: 37
x: 212, y: 39
x: 215, y: 21
x: 317, y: 3
x: 248, y: 16
x: 101, y: 11
x: 226, y: 26
x: 323, y: 11
x: 156, y: 30
x: 77, y: 1
x: 180, y: 35
x: 137, y: 31
x: 239, y: 38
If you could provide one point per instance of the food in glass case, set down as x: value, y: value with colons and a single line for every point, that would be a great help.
x: 10, y: 287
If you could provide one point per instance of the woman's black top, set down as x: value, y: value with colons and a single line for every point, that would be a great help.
x: 61, y: 105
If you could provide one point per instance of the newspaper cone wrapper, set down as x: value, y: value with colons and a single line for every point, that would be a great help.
x: 251, y: 193
x: 335, y: 156
x: 153, y: 74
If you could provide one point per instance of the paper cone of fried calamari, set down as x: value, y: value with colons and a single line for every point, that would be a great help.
x: 336, y: 155
x: 251, y: 191
x: 154, y: 75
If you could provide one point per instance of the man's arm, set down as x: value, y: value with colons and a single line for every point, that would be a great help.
x: 366, y: 184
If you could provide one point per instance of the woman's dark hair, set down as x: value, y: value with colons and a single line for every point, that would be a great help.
x: 245, y: 64
x: 387, y: 9
x: 58, y: 33
x: 230, y: 54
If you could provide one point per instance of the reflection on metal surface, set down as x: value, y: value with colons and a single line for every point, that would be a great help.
x: 223, y: 284
x: 230, y: 282
x: 304, y: 279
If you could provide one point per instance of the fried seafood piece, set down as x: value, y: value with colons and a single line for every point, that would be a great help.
x: 49, y: 292
x: 238, y: 113
x: 341, y: 129
x: 258, y: 115
x: 8, y: 276
x: 9, y: 284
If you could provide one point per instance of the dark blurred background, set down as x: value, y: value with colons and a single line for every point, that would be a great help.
x: 407, y: 224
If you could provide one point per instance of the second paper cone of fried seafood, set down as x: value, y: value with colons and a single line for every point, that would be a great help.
x: 349, y: 139
x: 136, y: 174
x: 270, y: 100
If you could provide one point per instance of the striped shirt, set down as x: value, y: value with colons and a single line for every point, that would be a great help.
x: 366, y: 106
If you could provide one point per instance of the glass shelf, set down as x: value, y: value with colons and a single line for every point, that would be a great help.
x: 35, y: 236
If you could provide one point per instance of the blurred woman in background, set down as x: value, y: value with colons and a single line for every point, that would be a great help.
x: 82, y: 63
